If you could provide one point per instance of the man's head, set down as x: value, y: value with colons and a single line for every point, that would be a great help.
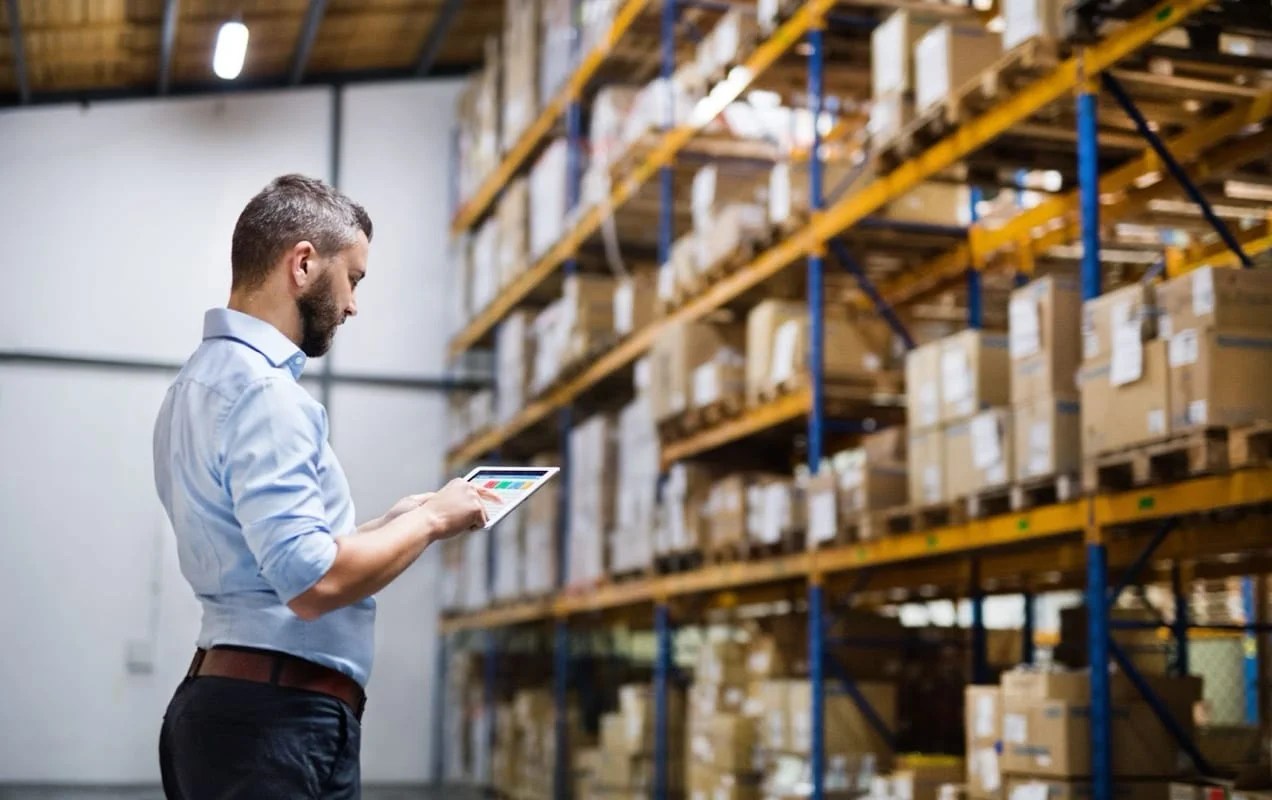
x: 302, y: 242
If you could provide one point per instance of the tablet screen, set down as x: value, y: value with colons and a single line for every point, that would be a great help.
x: 511, y: 485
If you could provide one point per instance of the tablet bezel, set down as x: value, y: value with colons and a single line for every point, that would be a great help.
x: 548, y: 473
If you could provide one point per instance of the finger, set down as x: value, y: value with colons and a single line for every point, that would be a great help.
x: 486, y: 494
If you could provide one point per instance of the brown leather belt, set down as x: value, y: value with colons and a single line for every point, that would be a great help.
x: 279, y: 669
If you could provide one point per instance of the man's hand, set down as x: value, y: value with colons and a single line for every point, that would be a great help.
x: 458, y: 507
x: 408, y: 503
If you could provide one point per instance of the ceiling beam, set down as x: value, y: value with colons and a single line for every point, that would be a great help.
x: 167, y: 42
x: 19, y: 52
x: 436, y: 36
x: 305, y: 44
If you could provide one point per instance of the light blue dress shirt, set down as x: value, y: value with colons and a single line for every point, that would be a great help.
x: 256, y: 495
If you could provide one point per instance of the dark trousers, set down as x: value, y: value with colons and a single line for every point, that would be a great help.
x: 225, y: 739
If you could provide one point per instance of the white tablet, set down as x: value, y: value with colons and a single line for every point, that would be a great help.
x: 512, y: 484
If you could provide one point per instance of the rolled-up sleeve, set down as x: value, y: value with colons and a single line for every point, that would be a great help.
x: 271, y: 456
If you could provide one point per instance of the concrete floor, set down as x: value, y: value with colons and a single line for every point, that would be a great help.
x: 154, y: 793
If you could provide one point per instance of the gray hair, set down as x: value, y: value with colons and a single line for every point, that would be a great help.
x: 291, y: 209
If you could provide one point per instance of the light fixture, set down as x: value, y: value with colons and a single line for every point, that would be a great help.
x: 231, y: 50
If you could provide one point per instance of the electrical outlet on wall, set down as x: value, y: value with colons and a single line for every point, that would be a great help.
x: 140, y: 657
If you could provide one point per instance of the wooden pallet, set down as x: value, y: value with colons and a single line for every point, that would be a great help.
x: 732, y: 552
x: 597, y: 348
x: 906, y: 519
x: 1044, y: 490
x: 839, y: 391
x: 693, y: 420
x: 677, y: 562
x: 863, y: 526
x: 1250, y: 445
x: 1167, y: 459
x: 1022, y: 64
x: 988, y: 502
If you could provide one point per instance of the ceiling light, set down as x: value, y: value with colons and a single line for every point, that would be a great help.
x: 231, y: 50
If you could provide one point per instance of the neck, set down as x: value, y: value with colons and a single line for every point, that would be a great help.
x: 259, y: 304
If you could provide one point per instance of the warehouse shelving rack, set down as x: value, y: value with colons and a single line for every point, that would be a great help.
x: 1066, y: 545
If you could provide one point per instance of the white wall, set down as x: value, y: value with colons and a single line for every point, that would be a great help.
x: 117, y: 223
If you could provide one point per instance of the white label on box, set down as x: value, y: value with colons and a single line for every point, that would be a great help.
x: 703, y: 197
x: 1022, y: 21
x: 871, y: 362
x: 1203, y: 292
x: 706, y: 384
x: 666, y: 281
x: 956, y: 376
x: 932, y: 483
x: 996, y: 475
x: 987, y: 764
x: 821, y: 516
x: 1156, y: 421
x: 1090, y: 345
x: 785, y: 344
x: 985, y: 716
x: 780, y: 192
x: 931, y: 62
x: 986, y: 449
x: 889, y: 52
x: 777, y: 512
x: 1182, y: 349
x: 766, y: 12
x: 1034, y: 790
x: 1128, y: 356
x: 623, y: 304
x: 1165, y: 327
x: 1015, y: 728
x: 1197, y: 412
x: 1039, y: 448
x: 929, y: 407
x: 1024, y: 330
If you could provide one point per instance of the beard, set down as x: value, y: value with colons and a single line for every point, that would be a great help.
x: 319, y: 317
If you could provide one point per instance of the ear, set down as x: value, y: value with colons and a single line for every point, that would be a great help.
x: 302, y: 266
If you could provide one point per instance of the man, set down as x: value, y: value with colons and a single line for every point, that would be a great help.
x: 271, y: 706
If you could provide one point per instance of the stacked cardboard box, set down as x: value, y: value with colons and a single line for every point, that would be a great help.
x: 891, y: 70
x: 1046, y: 725
x: 919, y: 777
x: 479, y: 121
x: 776, y: 512
x: 626, y: 755
x: 867, y: 478
x: 726, y: 217
x: 513, y: 220
x: 751, y: 507
x: 485, y: 263
x: 533, y: 720
x: 677, y: 354
x: 1218, y: 330
x: 548, y: 198
x: 947, y: 57
x: 610, y: 109
x: 514, y: 352
x: 957, y: 390
x: 632, y: 537
x: 572, y: 327
x: 1123, y: 381
x: 520, y: 69
x: 984, y: 717
x: 508, y: 565
x: 540, y: 535
x: 1143, y: 648
x: 660, y: 103
x: 591, y: 508
x: 635, y: 300
x: 721, y: 752
x: 727, y: 44
x: 1029, y: 19
x: 682, y: 510
x: 789, y: 192
x: 556, y: 34
x: 1045, y: 350
x: 932, y: 203
x: 476, y: 572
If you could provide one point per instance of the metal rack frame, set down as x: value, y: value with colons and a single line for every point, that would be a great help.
x: 1082, y: 531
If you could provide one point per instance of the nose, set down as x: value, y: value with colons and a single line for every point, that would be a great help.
x: 351, y: 310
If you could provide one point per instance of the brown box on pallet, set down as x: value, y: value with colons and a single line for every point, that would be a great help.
x: 513, y: 219
x: 721, y: 662
x: 854, y: 483
x: 921, y: 777
x: 979, y: 453
x: 722, y: 377
x: 889, y: 115
x: 1127, y: 402
x: 636, y: 708
x: 789, y: 193
x: 1209, y: 297
x: 777, y: 345
x: 892, y: 51
x: 983, y: 712
x: 973, y: 374
x: 775, y: 510
x: 1116, y: 319
x: 677, y: 352
x: 683, y: 521
x: 726, y: 742
x: 1027, y: 19
x: 1219, y: 378
x: 1047, y: 730
x: 1045, y: 347
x: 846, y: 730
x: 927, y: 478
x: 1047, y: 437
x: 947, y: 57
x: 727, y: 511
x: 708, y: 783
x: 635, y: 301
x: 923, y: 387
x: 520, y: 69
x: 1146, y: 651
x: 1020, y: 787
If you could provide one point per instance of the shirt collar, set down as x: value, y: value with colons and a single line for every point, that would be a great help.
x: 256, y: 333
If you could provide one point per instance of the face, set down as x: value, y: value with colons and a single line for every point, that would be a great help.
x: 329, y: 299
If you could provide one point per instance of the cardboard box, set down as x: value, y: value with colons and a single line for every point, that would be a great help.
x: 520, y: 69
x: 706, y: 699
x: 631, y: 541
x: 776, y: 511
x: 677, y: 352
x: 683, y: 523
x: 507, y: 536
x: 892, y: 52
x: 846, y: 730
x: 1026, y: 19
x: 948, y: 57
x: 1219, y: 378
x: 636, y: 710
x: 610, y: 108
x: 723, y: 377
x: 513, y: 215
x: 889, y: 115
x: 548, y: 201
x: 1044, y: 345
x: 920, y: 777
x: 591, y: 498
x: 514, y: 349
x: 1026, y: 788
x: 983, y: 712
x: 789, y: 188
x: 973, y: 374
x: 923, y: 387
x: 708, y: 783
x: 721, y: 662
x: 1047, y: 436
x: 932, y: 203
x: 1209, y: 297
x: 1117, y: 414
x: 851, y: 484
x: 927, y: 478
x: 726, y: 512
x: 979, y: 453
x: 485, y: 264
x: 635, y: 301
x: 1117, y: 319
x: 726, y: 742
x: 1046, y: 724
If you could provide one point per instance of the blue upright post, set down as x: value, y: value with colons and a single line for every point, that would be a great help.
x: 816, y: 318
x: 1180, y: 628
x: 980, y: 640
x: 975, y: 305
x: 1027, y: 629
x: 816, y: 685
x: 1098, y: 647
x: 561, y: 676
x: 1250, y: 647
x: 662, y: 674
x: 1089, y: 193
